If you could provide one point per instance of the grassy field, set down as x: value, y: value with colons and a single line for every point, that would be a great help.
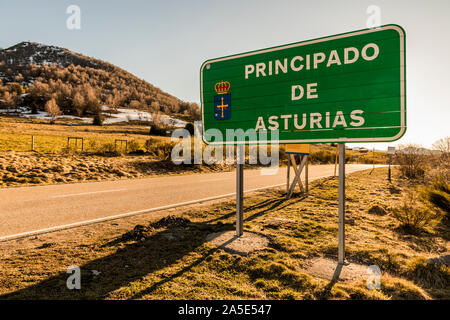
x: 155, y: 257
x: 52, y: 162
x: 15, y: 134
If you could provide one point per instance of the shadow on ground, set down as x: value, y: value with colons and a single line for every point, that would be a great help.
x: 142, y: 251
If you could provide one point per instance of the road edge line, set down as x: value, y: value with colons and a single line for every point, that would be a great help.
x: 123, y: 215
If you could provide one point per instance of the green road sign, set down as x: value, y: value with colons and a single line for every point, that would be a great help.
x: 344, y: 88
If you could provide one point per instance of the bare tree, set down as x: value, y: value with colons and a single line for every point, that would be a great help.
x: 9, y: 100
x: 52, y: 109
x: 442, y: 145
x: 443, y: 163
x: 78, y: 103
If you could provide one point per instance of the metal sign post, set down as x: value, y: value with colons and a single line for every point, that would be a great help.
x: 389, y: 168
x: 373, y: 158
x: 240, y: 156
x: 390, y: 151
x: 341, y: 205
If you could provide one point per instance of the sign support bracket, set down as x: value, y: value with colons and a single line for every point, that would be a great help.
x: 298, y: 171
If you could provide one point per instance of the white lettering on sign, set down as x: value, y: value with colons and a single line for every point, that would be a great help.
x: 297, y: 91
x: 249, y: 69
x: 314, y: 120
x: 355, y: 51
x: 330, y: 59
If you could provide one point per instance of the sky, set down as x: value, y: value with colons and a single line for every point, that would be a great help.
x: 165, y: 42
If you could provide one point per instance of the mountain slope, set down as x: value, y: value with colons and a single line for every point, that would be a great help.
x: 25, y: 53
x: 78, y: 84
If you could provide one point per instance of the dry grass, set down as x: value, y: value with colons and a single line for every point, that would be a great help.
x: 327, y: 154
x: 25, y: 168
x: 15, y: 134
x: 54, y: 163
x: 171, y: 260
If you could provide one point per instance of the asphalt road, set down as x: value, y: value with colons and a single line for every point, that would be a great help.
x: 38, y: 209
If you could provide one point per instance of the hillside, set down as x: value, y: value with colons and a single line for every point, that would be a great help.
x: 32, y: 74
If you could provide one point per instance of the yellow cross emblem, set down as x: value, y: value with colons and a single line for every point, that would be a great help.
x: 222, y: 106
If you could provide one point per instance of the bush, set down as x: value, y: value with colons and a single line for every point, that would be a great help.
x: 134, y: 146
x: 190, y: 128
x: 441, y: 184
x: 96, y: 146
x: 412, y: 162
x: 438, y: 195
x: 158, y: 127
x: 413, y: 215
x: 439, y: 199
x: 430, y: 275
x: 107, y: 148
x: 98, y: 119
x: 93, y: 145
x: 161, y: 150
x: 322, y: 156
x: 148, y: 145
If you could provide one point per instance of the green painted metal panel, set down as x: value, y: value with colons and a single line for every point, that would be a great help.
x: 349, y: 87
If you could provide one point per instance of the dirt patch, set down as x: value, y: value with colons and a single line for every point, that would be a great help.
x: 247, y: 243
x: 325, y: 268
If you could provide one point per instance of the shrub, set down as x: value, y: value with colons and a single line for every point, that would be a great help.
x: 441, y: 184
x: 190, y: 128
x: 93, y: 145
x: 440, y: 200
x: 428, y: 274
x: 98, y: 119
x: 438, y: 195
x: 413, y: 215
x: 412, y: 161
x: 161, y: 150
x: 150, y: 145
x: 96, y: 146
x: 158, y: 129
x: 322, y: 156
x: 134, y: 146
x: 107, y: 148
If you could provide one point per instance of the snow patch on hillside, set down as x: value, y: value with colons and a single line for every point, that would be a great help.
x: 118, y: 115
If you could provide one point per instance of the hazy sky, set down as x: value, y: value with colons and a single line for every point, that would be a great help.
x: 165, y: 42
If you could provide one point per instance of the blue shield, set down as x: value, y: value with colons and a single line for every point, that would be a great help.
x: 222, y: 107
